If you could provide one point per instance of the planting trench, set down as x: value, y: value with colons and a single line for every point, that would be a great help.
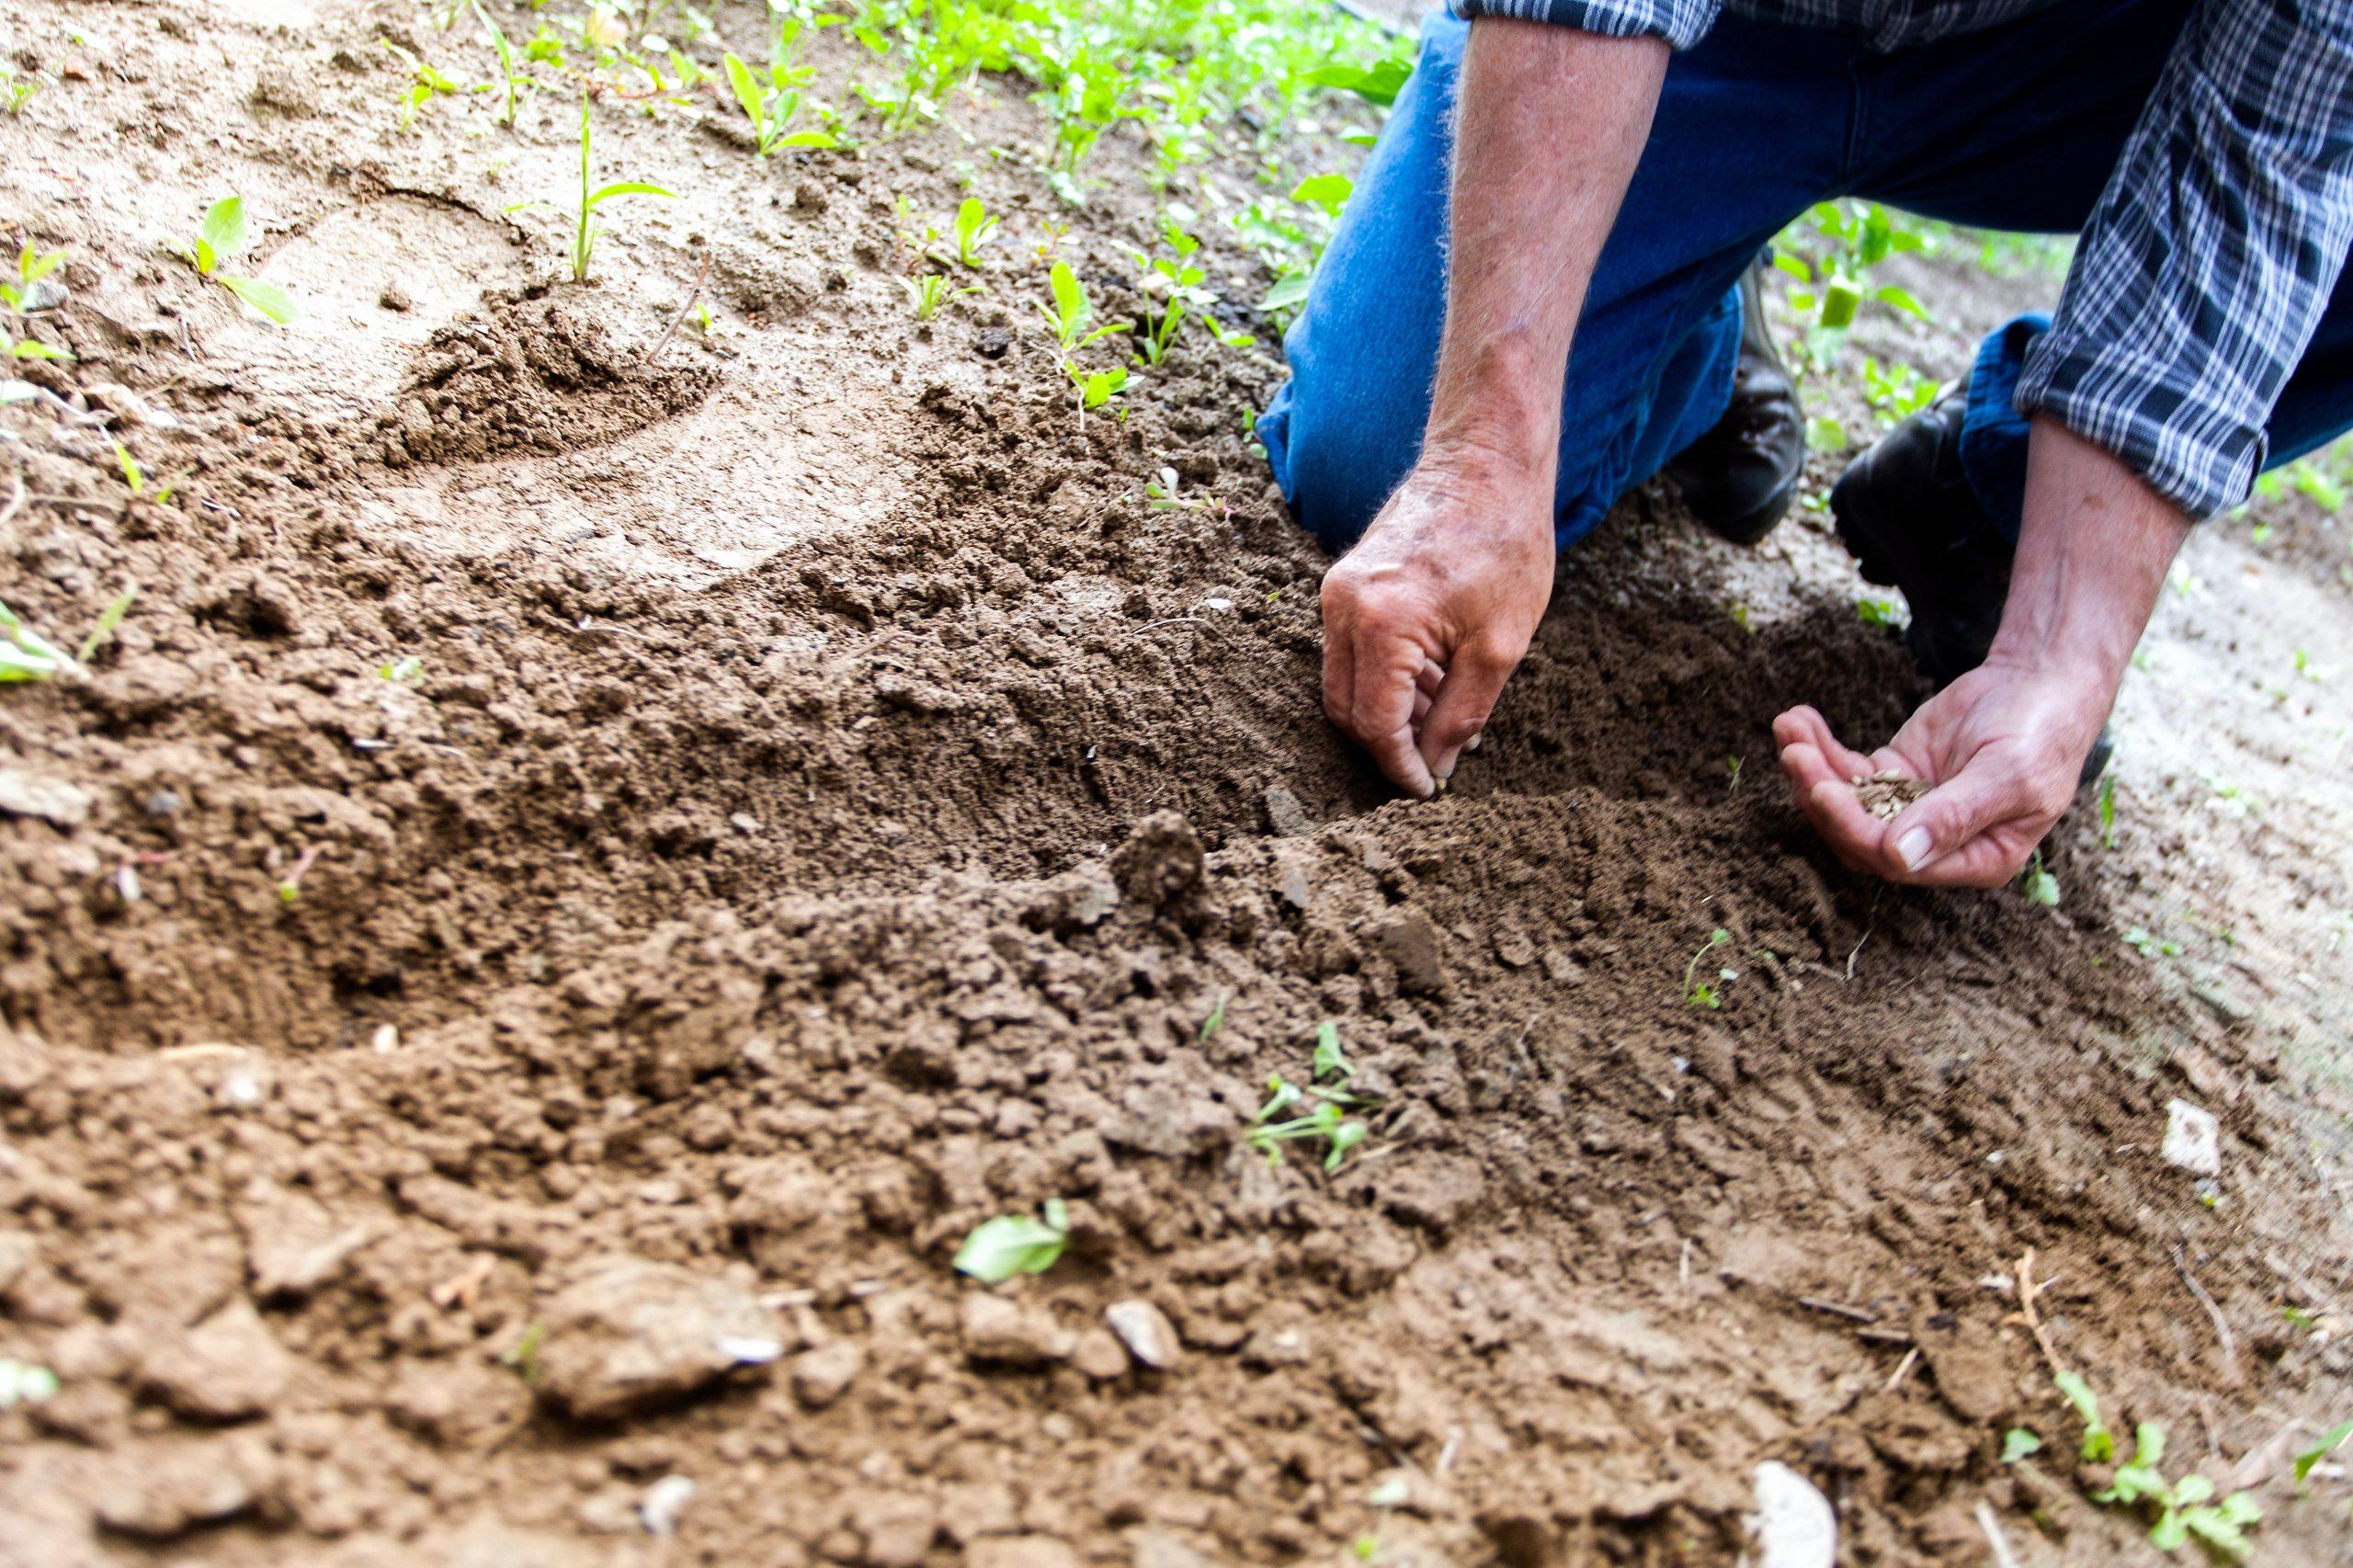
x: 830, y: 805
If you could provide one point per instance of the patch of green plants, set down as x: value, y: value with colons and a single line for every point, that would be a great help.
x: 1850, y: 237
x: 19, y: 295
x: 998, y: 1249
x: 26, y: 654
x: 2178, y: 1511
x: 1708, y: 994
x: 221, y: 236
x: 584, y: 231
x: 1326, y: 1099
x: 1181, y: 280
x: 16, y: 91
x: 1895, y: 391
x: 2148, y: 945
x: 427, y: 81
x: 771, y: 98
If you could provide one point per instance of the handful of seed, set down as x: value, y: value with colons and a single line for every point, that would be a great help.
x: 1887, y: 793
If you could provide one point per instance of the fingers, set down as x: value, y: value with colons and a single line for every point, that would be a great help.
x: 1974, y: 829
x: 1805, y: 726
x: 1473, y: 680
x: 1339, y: 660
x: 1381, y: 712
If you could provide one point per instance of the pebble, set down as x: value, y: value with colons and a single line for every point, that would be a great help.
x: 822, y: 1376
x: 228, y: 1367
x: 1793, y: 1524
x: 663, y: 1502
x: 160, y: 1494
x: 1005, y: 1331
x: 1145, y: 1330
x: 54, y: 801
x: 1285, y: 815
x: 1412, y: 944
x: 1100, y: 1354
x: 2193, y: 1138
x: 630, y: 1335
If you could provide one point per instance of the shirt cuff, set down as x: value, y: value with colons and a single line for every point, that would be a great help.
x: 2188, y: 446
x: 1681, y: 23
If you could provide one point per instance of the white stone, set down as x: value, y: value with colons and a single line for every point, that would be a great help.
x: 2193, y: 1138
x: 662, y: 1502
x: 1794, y: 1525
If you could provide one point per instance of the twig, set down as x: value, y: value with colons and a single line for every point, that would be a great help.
x: 1837, y: 1309
x: 1172, y: 620
x: 2002, y: 1556
x: 2221, y: 1328
x: 1856, y: 954
x: 208, y: 1048
x: 703, y: 275
x: 2027, y: 1291
x: 1903, y: 1368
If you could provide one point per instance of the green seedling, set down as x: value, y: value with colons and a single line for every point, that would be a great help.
x: 771, y: 100
x: 1181, y: 280
x: 1880, y: 612
x: 1328, y: 1118
x: 406, y: 671
x: 24, y: 1382
x: 513, y: 82
x: 584, y: 233
x: 2335, y: 1437
x: 928, y: 291
x: 290, y: 886
x: 1732, y: 767
x: 20, y: 297
x: 974, y: 224
x: 426, y: 84
x: 221, y: 236
x: 2038, y: 885
x: 1215, y: 1022
x: 1698, y: 993
x: 2184, y: 1508
x: 1328, y: 192
x: 2149, y: 946
x: 2018, y: 1443
x: 1824, y: 433
x: 1070, y: 315
x: 16, y: 91
x: 2099, y: 1443
x: 1895, y: 391
x: 2108, y: 812
x: 1096, y: 388
x: 1015, y: 1244
x: 523, y: 1356
x: 26, y: 654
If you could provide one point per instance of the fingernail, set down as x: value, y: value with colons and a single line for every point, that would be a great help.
x: 1913, y: 848
x: 1472, y: 743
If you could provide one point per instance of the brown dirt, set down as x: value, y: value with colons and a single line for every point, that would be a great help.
x: 440, y: 1112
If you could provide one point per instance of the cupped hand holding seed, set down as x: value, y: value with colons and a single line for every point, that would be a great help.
x: 1998, y: 749
x: 1427, y: 618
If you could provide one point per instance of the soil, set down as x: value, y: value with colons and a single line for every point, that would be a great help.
x: 521, y: 1107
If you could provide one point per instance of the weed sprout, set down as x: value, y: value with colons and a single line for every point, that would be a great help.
x: 222, y: 236
x: 584, y: 233
x: 1698, y: 993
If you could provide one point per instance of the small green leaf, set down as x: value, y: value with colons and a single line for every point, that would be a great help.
x: 1329, y: 1057
x: 1376, y: 83
x: 1215, y: 1022
x: 1009, y: 1245
x: 1070, y: 296
x: 1901, y: 300
x: 747, y: 90
x: 108, y: 619
x: 1796, y: 267
x: 807, y: 139
x: 2332, y: 1439
x: 625, y: 188
x: 223, y: 233
x: 2148, y: 1445
x: 1328, y: 191
x: 1288, y: 291
x: 2018, y: 1443
x: 266, y: 297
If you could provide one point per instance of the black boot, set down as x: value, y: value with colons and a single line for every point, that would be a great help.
x: 1740, y: 477
x: 1907, y: 513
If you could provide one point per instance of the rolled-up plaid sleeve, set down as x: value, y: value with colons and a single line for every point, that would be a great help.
x: 1681, y: 22
x: 2211, y: 253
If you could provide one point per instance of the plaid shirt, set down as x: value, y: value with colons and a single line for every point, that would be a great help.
x: 2211, y: 253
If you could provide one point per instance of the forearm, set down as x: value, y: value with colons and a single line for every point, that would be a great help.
x: 1552, y: 124
x: 2093, y: 553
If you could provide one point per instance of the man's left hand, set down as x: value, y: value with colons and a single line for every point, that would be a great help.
x: 2001, y: 748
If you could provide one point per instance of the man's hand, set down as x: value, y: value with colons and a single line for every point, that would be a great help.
x: 2002, y: 746
x: 1428, y: 616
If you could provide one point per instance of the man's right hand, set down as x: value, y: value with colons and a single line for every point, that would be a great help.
x: 1427, y: 618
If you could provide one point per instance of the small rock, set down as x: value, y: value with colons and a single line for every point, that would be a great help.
x: 1020, y: 1551
x: 1513, y: 948
x: 52, y: 799
x: 895, y: 1529
x: 1002, y: 1330
x: 1285, y: 815
x: 744, y: 821
x: 1561, y: 969
x: 166, y: 1491
x: 227, y: 1368
x: 822, y: 1376
x: 1161, y: 859
x: 394, y: 298
x: 1411, y: 943
x: 2193, y: 1138
x: 630, y: 1335
x: 991, y: 342
x: 1292, y: 886
x: 1145, y: 1330
x: 1267, y: 1350
x: 663, y: 1502
x: 162, y: 804
x: 1100, y: 1354
x: 1793, y: 1524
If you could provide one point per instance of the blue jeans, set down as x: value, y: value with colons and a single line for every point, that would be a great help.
x: 2015, y: 128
